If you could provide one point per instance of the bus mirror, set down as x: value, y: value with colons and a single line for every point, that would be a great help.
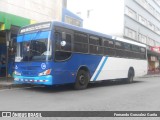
x: 63, y: 35
x: 63, y: 43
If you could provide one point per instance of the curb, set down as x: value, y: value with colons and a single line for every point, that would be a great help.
x: 150, y: 76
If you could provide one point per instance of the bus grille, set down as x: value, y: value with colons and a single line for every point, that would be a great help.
x: 29, y: 73
x: 30, y: 68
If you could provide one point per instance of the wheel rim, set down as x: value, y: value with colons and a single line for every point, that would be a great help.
x: 82, y: 79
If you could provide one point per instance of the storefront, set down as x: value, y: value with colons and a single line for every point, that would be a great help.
x: 154, y: 59
x: 9, y: 26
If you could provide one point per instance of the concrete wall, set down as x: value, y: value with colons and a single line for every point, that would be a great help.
x: 38, y: 10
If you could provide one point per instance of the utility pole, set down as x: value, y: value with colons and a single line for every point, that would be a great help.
x: 89, y: 13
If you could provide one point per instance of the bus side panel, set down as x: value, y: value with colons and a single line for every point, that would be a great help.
x: 115, y: 68
x: 66, y: 71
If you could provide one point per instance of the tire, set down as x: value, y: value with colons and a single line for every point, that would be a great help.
x: 82, y: 80
x: 130, y: 76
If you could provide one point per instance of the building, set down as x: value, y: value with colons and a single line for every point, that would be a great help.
x: 17, y: 13
x: 137, y: 20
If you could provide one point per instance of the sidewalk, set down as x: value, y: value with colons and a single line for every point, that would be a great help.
x: 153, y: 74
x: 150, y: 75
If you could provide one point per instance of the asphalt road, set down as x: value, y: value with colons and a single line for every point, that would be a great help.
x: 142, y: 95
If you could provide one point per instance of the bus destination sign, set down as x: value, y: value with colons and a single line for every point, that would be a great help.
x: 35, y: 27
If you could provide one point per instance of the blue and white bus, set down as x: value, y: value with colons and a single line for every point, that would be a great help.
x: 54, y: 53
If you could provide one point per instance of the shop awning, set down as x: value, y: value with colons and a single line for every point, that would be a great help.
x: 153, y: 53
x: 7, y: 20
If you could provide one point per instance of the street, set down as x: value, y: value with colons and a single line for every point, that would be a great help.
x: 142, y: 95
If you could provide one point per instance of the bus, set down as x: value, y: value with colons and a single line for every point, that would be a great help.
x: 56, y: 53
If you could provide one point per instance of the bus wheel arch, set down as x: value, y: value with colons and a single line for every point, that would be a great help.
x: 82, y: 78
x: 131, y: 74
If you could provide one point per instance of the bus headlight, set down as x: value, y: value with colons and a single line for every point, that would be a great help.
x: 17, y: 73
x: 46, y: 72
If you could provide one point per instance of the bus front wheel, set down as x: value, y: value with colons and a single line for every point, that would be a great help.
x: 82, y: 80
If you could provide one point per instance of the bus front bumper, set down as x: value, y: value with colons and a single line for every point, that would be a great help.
x: 39, y: 80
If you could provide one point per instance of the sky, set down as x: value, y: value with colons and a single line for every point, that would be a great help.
x: 105, y: 15
x: 77, y: 5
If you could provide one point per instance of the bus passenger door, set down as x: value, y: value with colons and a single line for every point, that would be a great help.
x: 63, y: 47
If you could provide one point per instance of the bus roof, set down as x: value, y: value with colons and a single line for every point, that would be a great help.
x: 130, y: 41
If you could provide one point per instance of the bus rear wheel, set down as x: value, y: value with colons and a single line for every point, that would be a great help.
x: 130, y: 76
x: 82, y: 80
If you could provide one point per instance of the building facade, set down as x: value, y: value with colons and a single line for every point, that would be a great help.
x: 17, y: 13
x: 142, y: 23
x: 137, y: 20
x: 38, y: 10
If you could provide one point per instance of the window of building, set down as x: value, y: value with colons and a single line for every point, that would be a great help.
x: 157, y: 43
x: 158, y: 2
x: 151, y: 26
x: 157, y: 30
x: 150, y: 42
x: 72, y: 21
x: 131, y: 13
x: 157, y: 14
x: 143, y: 3
x: 142, y: 20
x: 130, y: 33
x: 143, y: 38
x: 150, y: 8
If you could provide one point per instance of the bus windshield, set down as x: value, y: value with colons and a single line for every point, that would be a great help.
x: 34, y: 50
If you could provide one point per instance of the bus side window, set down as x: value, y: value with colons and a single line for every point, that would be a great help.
x: 95, y: 46
x: 63, y: 52
x: 119, y: 49
x: 68, y: 45
x: 95, y: 40
x: 61, y: 55
x: 118, y: 45
x: 135, y: 51
x: 109, y: 47
x: 80, y: 43
x: 143, y: 53
x: 127, y: 50
x: 58, y: 39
